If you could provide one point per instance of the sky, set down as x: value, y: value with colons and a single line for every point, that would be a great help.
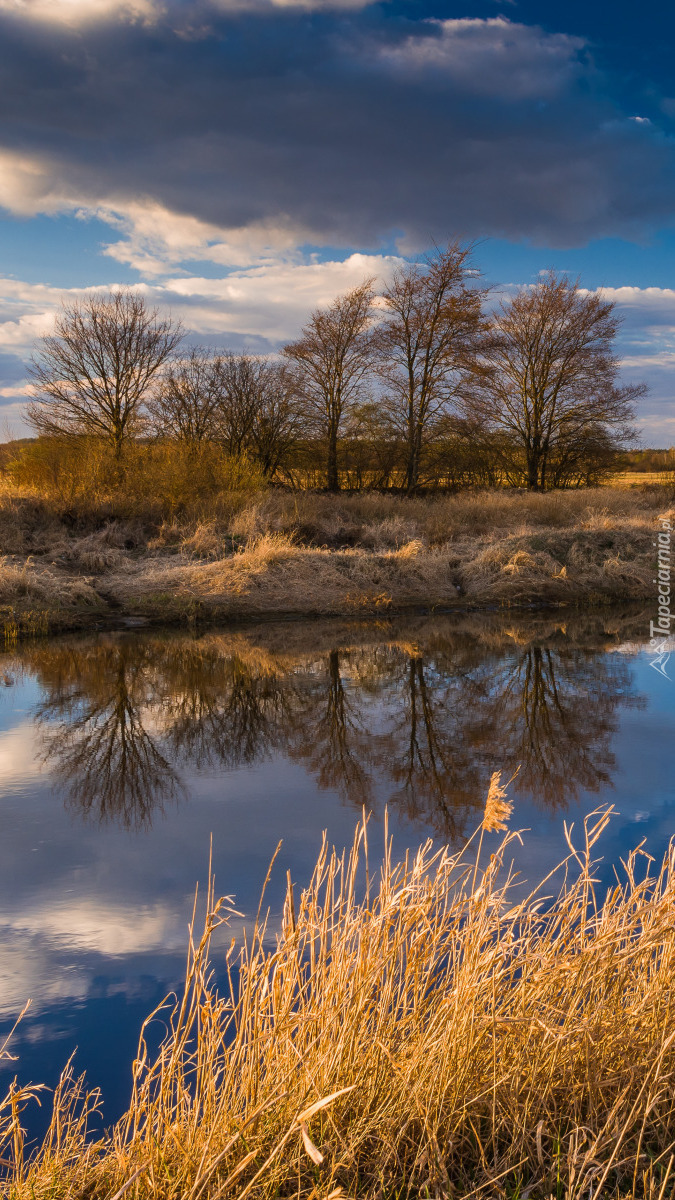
x: 242, y: 161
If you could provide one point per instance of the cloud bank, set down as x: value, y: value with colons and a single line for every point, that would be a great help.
x: 342, y: 128
x: 241, y: 151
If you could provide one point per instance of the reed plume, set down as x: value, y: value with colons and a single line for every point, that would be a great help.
x: 401, y: 1033
x: 497, y: 808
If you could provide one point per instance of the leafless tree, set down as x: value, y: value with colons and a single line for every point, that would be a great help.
x: 256, y: 408
x: 92, y: 375
x: 548, y: 374
x: 239, y: 380
x: 425, y: 344
x: 244, y: 402
x: 332, y: 359
x: 185, y: 404
x: 277, y: 419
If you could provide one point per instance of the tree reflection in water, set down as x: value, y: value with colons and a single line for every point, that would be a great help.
x: 417, y: 718
x: 93, y: 722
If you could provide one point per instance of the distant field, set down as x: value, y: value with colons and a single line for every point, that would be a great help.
x: 635, y: 478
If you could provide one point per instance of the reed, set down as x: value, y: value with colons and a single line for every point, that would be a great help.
x: 421, y: 1029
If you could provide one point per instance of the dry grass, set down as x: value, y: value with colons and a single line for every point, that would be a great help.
x: 387, y: 521
x: 307, y: 553
x: 421, y: 1030
x: 27, y: 581
x: 274, y: 574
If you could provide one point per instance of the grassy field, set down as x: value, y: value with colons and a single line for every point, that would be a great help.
x: 641, y: 478
x: 72, y: 565
x: 416, y: 1029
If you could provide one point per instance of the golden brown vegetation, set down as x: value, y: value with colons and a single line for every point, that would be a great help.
x: 424, y: 1030
x: 234, y: 553
x: 152, y: 481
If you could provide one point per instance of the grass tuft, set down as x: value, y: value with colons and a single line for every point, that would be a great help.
x: 423, y: 1029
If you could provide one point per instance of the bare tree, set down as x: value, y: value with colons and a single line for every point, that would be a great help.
x: 332, y: 358
x: 277, y: 419
x: 425, y: 345
x: 252, y: 407
x: 185, y: 404
x: 92, y: 375
x: 239, y: 380
x: 547, y: 377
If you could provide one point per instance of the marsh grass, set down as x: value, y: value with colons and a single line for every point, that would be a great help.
x: 249, y: 552
x: 420, y: 1028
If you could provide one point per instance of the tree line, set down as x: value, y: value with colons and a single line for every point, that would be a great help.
x: 424, y: 384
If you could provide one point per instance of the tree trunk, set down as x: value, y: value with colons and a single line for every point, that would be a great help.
x: 533, y: 471
x: 332, y: 475
x: 412, y: 470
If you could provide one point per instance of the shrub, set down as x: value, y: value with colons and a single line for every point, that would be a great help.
x: 153, y: 478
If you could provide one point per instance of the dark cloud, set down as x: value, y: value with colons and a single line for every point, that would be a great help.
x: 357, y: 126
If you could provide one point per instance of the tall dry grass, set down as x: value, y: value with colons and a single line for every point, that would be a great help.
x: 419, y: 1028
x: 245, y: 553
x: 152, y: 480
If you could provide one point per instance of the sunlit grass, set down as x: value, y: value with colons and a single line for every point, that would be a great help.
x: 175, y: 550
x: 414, y: 1028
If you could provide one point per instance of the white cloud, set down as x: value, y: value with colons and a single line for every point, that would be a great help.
x: 23, y: 977
x: 263, y: 305
x: 271, y: 300
x: 17, y: 753
x: 154, y: 238
x: 89, y: 12
x: 489, y: 57
x: 29, y: 185
x: 46, y: 950
x: 26, y: 312
x: 79, y: 12
x: 649, y: 297
x: 113, y: 930
x: 665, y: 360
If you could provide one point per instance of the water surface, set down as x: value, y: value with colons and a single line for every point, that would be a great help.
x: 122, y: 754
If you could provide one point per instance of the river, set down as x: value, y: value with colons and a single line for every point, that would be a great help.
x: 122, y: 755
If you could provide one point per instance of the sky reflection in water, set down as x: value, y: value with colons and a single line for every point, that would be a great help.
x: 121, y: 754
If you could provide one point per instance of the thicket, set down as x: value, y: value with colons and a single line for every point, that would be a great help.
x: 153, y: 480
x: 649, y: 460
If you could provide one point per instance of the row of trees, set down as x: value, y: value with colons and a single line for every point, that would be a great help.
x: 422, y: 384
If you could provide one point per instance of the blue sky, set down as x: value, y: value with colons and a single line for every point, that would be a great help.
x: 241, y: 161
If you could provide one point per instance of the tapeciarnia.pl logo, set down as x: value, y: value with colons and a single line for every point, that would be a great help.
x: 659, y: 630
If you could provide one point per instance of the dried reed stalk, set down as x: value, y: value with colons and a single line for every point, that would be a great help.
x: 423, y: 1030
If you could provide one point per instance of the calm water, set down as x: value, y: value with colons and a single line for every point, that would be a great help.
x: 121, y: 754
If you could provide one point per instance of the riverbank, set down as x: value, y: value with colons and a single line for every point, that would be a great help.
x: 317, y: 555
x: 440, y: 1035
